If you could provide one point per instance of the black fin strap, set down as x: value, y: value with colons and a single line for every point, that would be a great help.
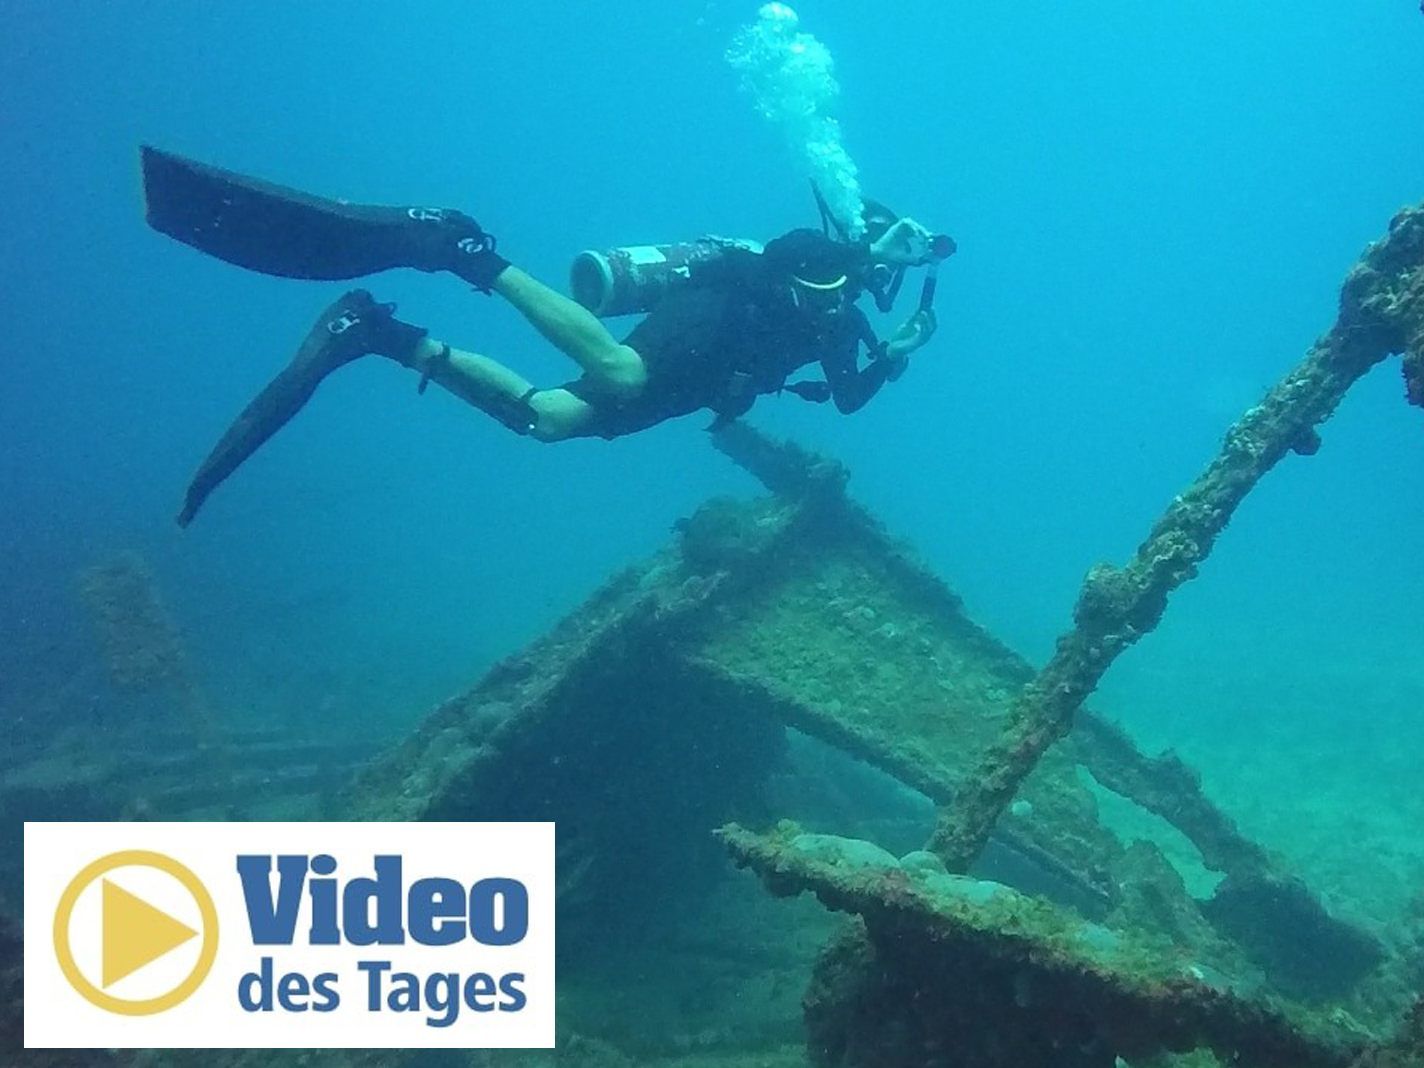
x: 531, y: 417
x: 439, y: 360
x: 518, y: 415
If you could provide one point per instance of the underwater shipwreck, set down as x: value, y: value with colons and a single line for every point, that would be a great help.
x: 654, y: 723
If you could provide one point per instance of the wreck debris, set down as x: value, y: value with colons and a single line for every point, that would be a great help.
x: 142, y: 648
x: 615, y: 647
x: 947, y: 961
x: 793, y: 610
x: 12, y: 1003
x: 798, y: 611
x: 145, y: 656
x: 1259, y: 905
x: 1250, y: 908
x: 1381, y: 312
x: 1406, y: 1051
x: 932, y: 737
x: 1163, y: 785
x: 1166, y: 787
x: 143, y: 773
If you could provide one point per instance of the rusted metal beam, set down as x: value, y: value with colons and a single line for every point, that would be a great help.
x: 1381, y: 313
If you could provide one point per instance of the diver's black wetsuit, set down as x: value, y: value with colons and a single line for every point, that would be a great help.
x: 723, y: 339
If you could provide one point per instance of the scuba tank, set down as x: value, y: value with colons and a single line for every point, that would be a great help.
x: 632, y: 279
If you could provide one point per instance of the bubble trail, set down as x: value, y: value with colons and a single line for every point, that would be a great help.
x: 790, y: 76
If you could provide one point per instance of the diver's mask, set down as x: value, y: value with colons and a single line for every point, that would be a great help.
x: 817, y: 269
x: 816, y: 299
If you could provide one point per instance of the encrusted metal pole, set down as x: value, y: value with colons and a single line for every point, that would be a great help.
x: 1381, y: 312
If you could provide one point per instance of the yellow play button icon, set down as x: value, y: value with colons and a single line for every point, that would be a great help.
x: 132, y: 932
x: 135, y: 933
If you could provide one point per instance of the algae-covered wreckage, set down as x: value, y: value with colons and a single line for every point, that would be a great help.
x: 1023, y: 933
x: 797, y: 610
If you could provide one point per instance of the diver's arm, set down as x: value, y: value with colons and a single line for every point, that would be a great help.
x: 852, y: 387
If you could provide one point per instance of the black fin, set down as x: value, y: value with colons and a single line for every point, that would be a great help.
x: 347, y: 330
x: 280, y: 231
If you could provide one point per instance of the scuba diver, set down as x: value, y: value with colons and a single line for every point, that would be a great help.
x: 726, y: 322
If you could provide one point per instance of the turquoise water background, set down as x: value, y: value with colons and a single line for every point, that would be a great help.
x: 1155, y: 206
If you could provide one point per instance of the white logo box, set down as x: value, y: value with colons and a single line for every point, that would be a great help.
x: 500, y: 996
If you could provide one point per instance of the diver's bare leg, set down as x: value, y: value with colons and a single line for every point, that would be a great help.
x: 493, y: 388
x: 576, y: 332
